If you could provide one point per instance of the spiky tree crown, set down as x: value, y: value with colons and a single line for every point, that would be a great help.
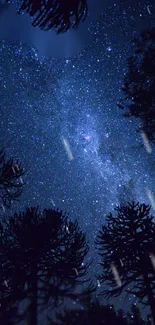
x: 43, y: 245
x: 58, y: 14
x: 125, y: 245
x: 139, y: 83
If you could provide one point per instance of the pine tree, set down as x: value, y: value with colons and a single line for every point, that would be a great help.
x: 42, y: 260
x: 139, y: 83
x: 126, y: 245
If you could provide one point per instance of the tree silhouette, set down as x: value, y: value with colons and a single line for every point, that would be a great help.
x: 96, y: 313
x: 139, y: 83
x: 11, y: 182
x: 42, y: 259
x: 126, y: 245
x: 58, y: 14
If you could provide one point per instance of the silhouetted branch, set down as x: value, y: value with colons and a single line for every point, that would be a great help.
x: 42, y: 256
x: 139, y: 83
x: 11, y: 182
x: 58, y: 14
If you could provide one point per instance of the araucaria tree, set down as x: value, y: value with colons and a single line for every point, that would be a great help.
x: 126, y: 245
x: 41, y: 260
x: 139, y: 83
x: 11, y: 181
x: 58, y: 14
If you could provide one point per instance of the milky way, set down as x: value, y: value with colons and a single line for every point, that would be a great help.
x: 60, y: 118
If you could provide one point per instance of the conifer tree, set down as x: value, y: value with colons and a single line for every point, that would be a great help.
x: 139, y: 83
x: 42, y: 258
x: 126, y: 245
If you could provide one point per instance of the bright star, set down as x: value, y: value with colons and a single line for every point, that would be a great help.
x: 88, y: 137
x: 109, y: 49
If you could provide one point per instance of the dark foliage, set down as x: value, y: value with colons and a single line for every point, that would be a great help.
x: 58, y: 14
x: 139, y: 83
x: 42, y: 259
x: 98, y: 314
x: 126, y: 246
x: 11, y: 183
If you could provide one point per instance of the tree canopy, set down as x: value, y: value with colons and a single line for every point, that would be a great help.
x: 102, y: 314
x: 126, y: 245
x: 11, y: 181
x: 58, y: 14
x: 139, y: 83
x: 42, y: 258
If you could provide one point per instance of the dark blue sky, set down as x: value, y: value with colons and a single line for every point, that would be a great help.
x: 60, y: 118
x: 48, y: 43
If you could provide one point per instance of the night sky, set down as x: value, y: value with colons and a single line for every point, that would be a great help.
x: 60, y: 119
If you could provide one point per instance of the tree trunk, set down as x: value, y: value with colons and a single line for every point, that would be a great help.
x: 32, y: 309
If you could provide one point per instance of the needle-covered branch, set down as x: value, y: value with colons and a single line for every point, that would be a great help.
x: 58, y: 14
x: 11, y: 181
x: 139, y: 83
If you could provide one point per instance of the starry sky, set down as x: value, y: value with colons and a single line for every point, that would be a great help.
x: 60, y: 119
